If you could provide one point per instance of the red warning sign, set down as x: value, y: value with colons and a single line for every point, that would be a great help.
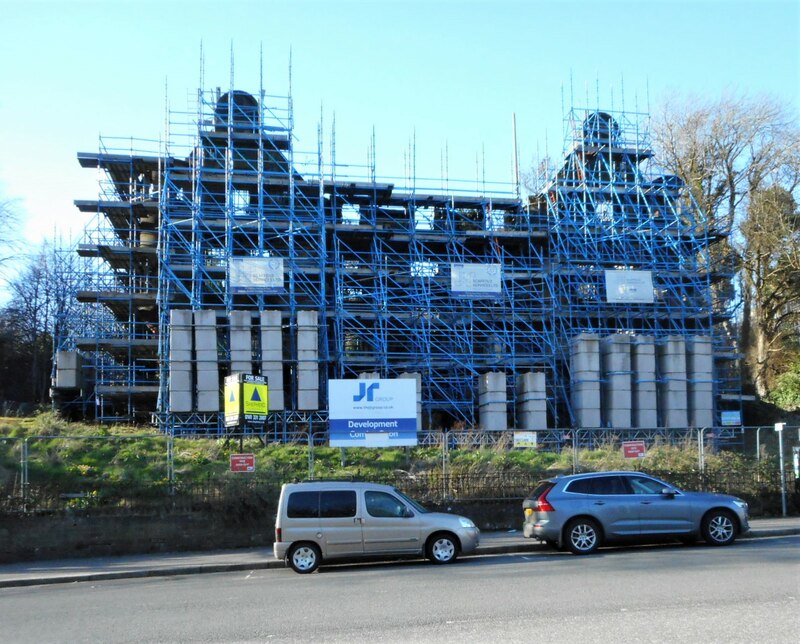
x: 633, y: 449
x: 243, y: 462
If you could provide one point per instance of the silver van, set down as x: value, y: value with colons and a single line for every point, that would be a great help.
x: 322, y: 520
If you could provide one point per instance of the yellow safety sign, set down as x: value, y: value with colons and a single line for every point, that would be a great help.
x: 232, y: 401
x: 255, y: 399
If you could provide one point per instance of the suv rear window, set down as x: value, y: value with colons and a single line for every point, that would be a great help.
x: 327, y: 504
x: 541, y: 489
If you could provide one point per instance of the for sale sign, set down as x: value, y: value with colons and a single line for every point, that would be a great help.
x: 243, y: 462
x: 246, y: 399
x: 633, y: 449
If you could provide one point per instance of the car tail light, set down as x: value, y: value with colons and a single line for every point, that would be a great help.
x: 278, y: 534
x: 542, y: 504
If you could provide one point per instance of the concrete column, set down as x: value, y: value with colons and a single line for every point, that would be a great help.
x: 531, y: 390
x: 643, y: 389
x: 585, y: 379
x: 206, y: 360
x: 272, y: 357
x: 672, y: 384
x: 418, y: 377
x: 307, y: 361
x: 700, y: 373
x: 180, y: 361
x: 68, y: 370
x: 615, y: 351
x: 492, y: 401
x: 241, y: 342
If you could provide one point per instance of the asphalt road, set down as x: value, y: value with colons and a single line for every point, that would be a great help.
x: 745, y: 593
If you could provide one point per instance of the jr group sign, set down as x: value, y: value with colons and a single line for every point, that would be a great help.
x: 372, y: 413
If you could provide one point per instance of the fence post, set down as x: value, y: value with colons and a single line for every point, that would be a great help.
x: 758, y: 444
x: 445, y: 441
x: 701, y: 450
x: 311, y: 455
x: 779, y: 428
x: 171, y: 463
x: 24, y: 474
x: 575, y: 436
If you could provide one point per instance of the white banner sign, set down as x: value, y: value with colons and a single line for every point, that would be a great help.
x: 256, y: 274
x: 730, y: 418
x: 475, y: 280
x: 624, y: 287
x: 525, y: 439
x: 372, y: 413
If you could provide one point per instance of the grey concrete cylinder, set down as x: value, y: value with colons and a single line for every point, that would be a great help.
x: 585, y: 379
x: 616, y: 386
x: 672, y: 389
x: 492, y: 409
x: 307, y: 361
x: 531, y: 400
x: 700, y: 373
x: 643, y: 386
x: 206, y: 361
x: 272, y: 357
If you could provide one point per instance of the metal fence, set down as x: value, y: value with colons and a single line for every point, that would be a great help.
x: 107, y: 485
x: 435, y: 487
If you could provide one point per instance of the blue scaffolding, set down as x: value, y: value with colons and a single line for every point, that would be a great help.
x: 374, y: 262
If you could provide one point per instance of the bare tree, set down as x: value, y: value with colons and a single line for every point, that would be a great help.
x: 726, y: 149
x: 740, y: 158
x: 770, y: 260
x: 40, y: 293
x: 8, y: 231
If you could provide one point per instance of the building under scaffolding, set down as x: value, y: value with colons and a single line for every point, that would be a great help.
x: 224, y: 250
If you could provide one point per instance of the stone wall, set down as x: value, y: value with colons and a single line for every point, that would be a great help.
x: 55, y: 537
x: 40, y: 537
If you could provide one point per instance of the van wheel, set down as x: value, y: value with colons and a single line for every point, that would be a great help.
x: 442, y: 549
x: 304, y: 558
x: 582, y: 536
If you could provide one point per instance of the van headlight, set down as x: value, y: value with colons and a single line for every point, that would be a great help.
x: 465, y: 523
x: 740, y: 503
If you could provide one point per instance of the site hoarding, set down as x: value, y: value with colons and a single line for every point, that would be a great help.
x: 372, y: 413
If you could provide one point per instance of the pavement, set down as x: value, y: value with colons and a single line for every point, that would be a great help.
x: 64, y: 571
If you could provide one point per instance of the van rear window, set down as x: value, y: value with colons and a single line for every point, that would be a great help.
x: 327, y: 504
x: 303, y: 505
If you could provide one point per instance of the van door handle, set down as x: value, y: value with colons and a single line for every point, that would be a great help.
x: 358, y: 520
x: 645, y: 502
x: 599, y: 502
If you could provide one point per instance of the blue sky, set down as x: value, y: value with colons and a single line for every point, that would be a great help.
x: 449, y: 73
